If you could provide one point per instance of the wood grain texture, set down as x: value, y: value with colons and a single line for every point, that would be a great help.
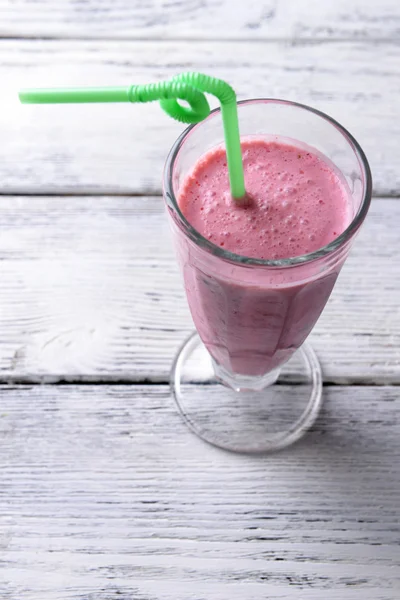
x: 90, y: 291
x: 122, y: 148
x: 104, y: 494
x: 189, y: 19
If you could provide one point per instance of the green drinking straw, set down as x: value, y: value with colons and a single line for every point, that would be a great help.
x: 189, y: 87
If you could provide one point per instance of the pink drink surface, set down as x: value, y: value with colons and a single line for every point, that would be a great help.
x: 253, y: 322
x: 298, y: 204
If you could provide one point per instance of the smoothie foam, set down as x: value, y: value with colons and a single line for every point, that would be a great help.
x: 298, y: 203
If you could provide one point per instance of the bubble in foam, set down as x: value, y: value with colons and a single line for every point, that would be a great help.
x: 290, y: 190
x: 227, y: 198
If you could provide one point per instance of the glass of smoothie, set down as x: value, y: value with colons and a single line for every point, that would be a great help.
x: 258, y: 272
x: 261, y: 234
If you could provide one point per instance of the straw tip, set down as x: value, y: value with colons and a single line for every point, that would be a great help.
x: 23, y: 96
x: 243, y: 201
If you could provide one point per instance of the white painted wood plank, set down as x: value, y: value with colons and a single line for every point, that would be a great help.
x: 189, y: 19
x: 104, y: 494
x: 90, y: 291
x: 123, y: 148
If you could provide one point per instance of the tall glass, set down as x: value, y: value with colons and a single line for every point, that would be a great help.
x: 247, y: 381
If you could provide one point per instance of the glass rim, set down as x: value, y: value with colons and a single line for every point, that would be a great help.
x: 232, y: 257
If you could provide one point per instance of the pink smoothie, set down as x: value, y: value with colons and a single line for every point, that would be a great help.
x: 298, y: 203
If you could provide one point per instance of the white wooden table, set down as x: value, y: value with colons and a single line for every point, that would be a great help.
x: 104, y: 493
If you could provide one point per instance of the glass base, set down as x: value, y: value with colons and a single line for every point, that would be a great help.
x: 239, y: 419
